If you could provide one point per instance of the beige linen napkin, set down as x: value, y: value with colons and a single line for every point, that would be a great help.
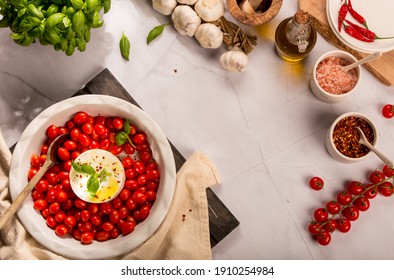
x: 184, y: 234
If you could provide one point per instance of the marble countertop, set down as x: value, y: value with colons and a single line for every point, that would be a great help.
x: 263, y: 128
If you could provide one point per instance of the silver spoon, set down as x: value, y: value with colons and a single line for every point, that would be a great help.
x: 368, y: 58
x: 49, y: 161
x: 363, y: 140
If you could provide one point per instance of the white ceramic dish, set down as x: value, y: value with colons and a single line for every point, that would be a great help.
x: 332, y: 149
x: 377, y: 13
x: 30, y: 142
x: 323, y: 95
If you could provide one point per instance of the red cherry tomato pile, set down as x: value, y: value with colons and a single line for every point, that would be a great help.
x: 338, y: 214
x: 64, y: 212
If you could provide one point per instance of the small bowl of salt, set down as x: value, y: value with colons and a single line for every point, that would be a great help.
x: 329, y: 81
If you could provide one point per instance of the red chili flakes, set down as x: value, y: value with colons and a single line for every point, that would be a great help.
x: 183, y: 217
x: 346, y: 137
x: 332, y: 78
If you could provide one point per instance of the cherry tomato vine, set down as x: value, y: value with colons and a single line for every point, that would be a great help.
x: 339, y: 213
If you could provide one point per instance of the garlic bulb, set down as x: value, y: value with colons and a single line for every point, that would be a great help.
x: 187, y: 2
x: 185, y: 19
x: 165, y: 7
x: 209, y: 10
x: 209, y: 36
x: 234, y: 60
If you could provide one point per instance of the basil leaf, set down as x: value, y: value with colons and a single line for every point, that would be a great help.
x: 104, y: 174
x: 78, y: 21
x: 93, y: 185
x: 155, y: 32
x: 88, y: 169
x: 126, y: 126
x: 124, y: 45
x: 76, y: 167
x: 107, y: 6
x: 120, y: 138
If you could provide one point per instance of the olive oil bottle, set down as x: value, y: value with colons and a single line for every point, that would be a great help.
x: 295, y: 37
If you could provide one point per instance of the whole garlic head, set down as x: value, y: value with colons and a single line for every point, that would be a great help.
x: 185, y: 19
x: 209, y: 10
x: 165, y: 7
x: 234, y: 60
x: 187, y: 2
x: 209, y: 36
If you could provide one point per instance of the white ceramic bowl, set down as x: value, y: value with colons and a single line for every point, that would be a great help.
x: 331, y: 147
x: 326, y: 96
x: 31, y: 141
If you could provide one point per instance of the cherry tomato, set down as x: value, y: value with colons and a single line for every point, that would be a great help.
x: 153, y: 175
x: 386, y: 188
x: 63, y: 154
x: 320, y: 214
x: 126, y: 227
x: 70, y: 145
x: 104, y: 144
x: 316, y: 183
x: 105, y: 208
x: 371, y: 191
x: 80, y: 204
x: 95, y: 219
x: 85, y: 215
x: 52, y: 131
x: 31, y: 173
x: 128, y: 148
x: 314, y: 227
x: 131, y: 205
x: 351, y: 213
x: 150, y: 195
x: 355, y: 188
x: 35, y: 161
x: 70, y: 221
x: 87, y: 128
x: 324, y: 238
x: 362, y: 203
x: 60, y: 217
x: 388, y: 111
x: 42, y: 185
x: 388, y: 171
x: 80, y: 117
x: 343, y: 225
x: 114, y: 217
x: 330, y: 226
x: 117, y: 123
x: 333, y: 207
x: 139, y: 197
x: 40, y: 204
x: 377, y: 177
x: 107, y: 226
x: 84, y: 140
x: 61, y: 230
x: 100, y: 129
x: 102, y: 236
x: 144, y: 212
x: 124, y: 194
x: 87, y: 237
x: 344, y: 198
x: 127, y: 162
x: 51, y: 221
x: 139, y: 138
x: 139, y: 166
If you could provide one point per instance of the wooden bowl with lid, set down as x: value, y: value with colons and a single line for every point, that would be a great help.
x: 254, y: 12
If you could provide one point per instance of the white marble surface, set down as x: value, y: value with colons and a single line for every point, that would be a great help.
x: 263, y: 128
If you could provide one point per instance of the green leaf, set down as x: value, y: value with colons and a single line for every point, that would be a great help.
x: 78, y: 21
x: 124, y: 45
x: 104, y: 174
x: 107, y: 6
x: 88, y: 169
x: 54, y: 19
x: 93, y: 185
x: 155, y: 32
x: 76, y: 167
x: 126, y: 126
x: 120, y: 138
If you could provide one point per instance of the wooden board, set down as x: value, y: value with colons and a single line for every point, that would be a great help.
x: 383, y: 68
x: 221, y: 220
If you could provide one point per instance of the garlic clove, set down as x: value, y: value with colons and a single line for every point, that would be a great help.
x: 164, y: 7
x: 209, y: 36
x: 185, y: 19
x: 234, y: 61
x: 209, y: 10
x: 187, y: 2
x: 247, y: 7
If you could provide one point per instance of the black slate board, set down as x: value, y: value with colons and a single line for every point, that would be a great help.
x: 221, y: 221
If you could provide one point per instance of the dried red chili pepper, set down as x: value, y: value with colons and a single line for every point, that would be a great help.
x: 342, y: 15
x: 356, y: 15
x: 363, y: 31
x: 357, y: 35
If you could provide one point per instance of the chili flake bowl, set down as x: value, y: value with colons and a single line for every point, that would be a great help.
x: 342, y: 137
x: 327, y: 75
x: 31, y: 141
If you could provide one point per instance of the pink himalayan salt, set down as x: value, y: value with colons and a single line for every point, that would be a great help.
x: 332, y: 78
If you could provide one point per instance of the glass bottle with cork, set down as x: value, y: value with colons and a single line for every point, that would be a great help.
x: 295, y: 37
